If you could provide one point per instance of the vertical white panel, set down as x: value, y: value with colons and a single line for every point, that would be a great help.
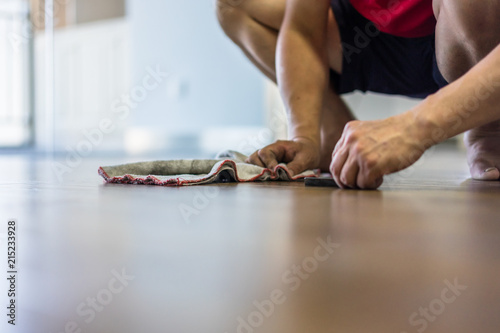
x: 91, y: 71
x: 14, y: 76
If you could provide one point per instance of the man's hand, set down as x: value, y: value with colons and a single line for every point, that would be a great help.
x: 368, y: 150
x: 299, y: 154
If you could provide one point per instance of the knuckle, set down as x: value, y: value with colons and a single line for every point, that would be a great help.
x: 369, y: 162
x: 351, y: 125
x: 352, y: 137
x: 252, y: 157
x: 358, y: 148
x: 263, y: 152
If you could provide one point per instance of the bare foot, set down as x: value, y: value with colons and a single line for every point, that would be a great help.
x: 483, y: 151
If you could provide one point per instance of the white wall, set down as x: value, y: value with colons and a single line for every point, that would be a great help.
x: 91, y: 73
x: 372, y: 106
x: 211, y: 87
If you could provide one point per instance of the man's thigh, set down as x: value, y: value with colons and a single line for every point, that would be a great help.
x: 466, y: 31
x: 267, y: 12
x: 270, y: 13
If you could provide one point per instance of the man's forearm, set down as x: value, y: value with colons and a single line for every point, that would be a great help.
x: 471, y: 101
x: 302, y: 72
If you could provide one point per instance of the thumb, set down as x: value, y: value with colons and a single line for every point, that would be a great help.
x: 295, y: 168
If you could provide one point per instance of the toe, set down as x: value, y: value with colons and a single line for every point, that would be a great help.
x: 483, y: 171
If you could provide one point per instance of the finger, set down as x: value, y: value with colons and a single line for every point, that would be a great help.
x: 349, y: 173
x: 338, y: 161
x: 268, y: 157
x: 373, y: 168
x: 370, y: 179
x: 295, y: 167
x: 346, y: 132
x: 371, y: 183
x: 254, y: 159
x: 339, y: 144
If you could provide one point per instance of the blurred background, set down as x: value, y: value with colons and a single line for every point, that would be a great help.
x: 135, y: 77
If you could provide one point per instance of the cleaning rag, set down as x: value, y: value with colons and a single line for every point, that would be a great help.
x: 228, y: 166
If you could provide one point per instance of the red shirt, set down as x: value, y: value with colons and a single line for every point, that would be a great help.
x: 404, y: 18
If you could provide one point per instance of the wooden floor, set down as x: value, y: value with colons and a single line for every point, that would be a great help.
x: 422, y: 254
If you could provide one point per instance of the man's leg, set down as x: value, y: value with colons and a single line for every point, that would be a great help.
x: 467, y: 31
x: 254, y: 25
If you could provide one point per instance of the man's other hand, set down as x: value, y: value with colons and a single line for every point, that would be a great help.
x: 368, y: 150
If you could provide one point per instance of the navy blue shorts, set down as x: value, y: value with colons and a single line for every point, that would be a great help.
x: 383, y: 63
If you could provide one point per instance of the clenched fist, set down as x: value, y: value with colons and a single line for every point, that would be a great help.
x: 368, y: 150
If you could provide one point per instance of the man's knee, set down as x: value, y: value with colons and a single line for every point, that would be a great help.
x: 229, y: 14
x: 475, y: 24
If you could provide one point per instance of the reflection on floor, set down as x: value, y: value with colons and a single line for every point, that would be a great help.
x: 420, y: 254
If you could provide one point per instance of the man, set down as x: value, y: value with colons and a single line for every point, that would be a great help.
x: 444, y: 51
